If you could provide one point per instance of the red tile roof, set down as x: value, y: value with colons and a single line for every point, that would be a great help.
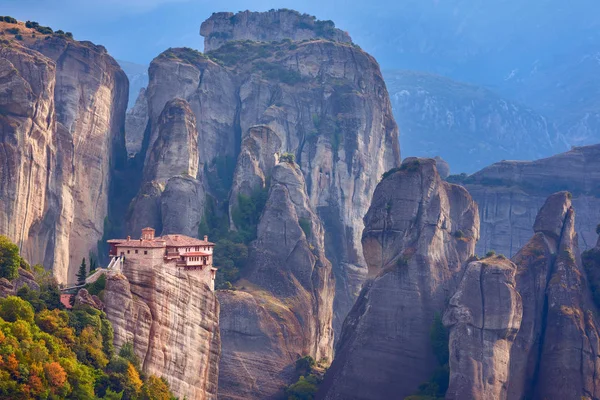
x: 141, y: 243
x: 65, y: 300
x: 161, y: 241
x: 182, y: 240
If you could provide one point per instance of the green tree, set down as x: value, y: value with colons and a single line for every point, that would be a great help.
x: 110, y: 395
x: 9, y: 259
x: 304, y: 389
x: 13, y: 308
x: 128, y: 353
x: 93, y: 264
x: 289, y: 158
x: 82, y: 274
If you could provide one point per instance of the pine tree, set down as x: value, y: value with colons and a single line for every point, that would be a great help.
x: 82, y: 274
x: 92, y: 263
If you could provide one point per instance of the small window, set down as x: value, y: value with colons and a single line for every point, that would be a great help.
x: 136, y: 251
x: 122, y: 253
x: 145, y: 251
x: 127, y: 251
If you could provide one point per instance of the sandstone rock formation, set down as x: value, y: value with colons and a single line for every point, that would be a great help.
x: 527, y: 328
x: 556, y: 350
x: 483, y: 317
x: 63, y: 106
x: 510, y: 193
x: 175, y: 151
x: 323, y: 101
x: 10, y: 288
x: 286, y: 301
x: 84, y: 297
x: 135, y: 124
x: 171, y: 198
x: 172, y: 320
x: 274, y: 25
x: 419, y: 231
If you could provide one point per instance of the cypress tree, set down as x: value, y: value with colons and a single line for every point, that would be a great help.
x: 92, y: 264
x: 82, y: 274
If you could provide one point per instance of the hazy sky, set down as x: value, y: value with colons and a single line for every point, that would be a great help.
x: 138, y: 30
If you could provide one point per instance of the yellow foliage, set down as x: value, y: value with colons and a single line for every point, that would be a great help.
x: 155, y: 389
x: 133, y: 378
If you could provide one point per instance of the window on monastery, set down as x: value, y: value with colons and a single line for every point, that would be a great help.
x: 127, y: 251
x: 136, y: 251
x: 145, y: 251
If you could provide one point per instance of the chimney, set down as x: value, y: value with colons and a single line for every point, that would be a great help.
x: 148, y: 233
x: 128, y: 238
x: 206, y: 238
x: 176, y: 237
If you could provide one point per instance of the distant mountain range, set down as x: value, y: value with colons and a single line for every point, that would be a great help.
x: 138, y: 79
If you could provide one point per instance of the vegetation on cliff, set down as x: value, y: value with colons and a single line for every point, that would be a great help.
x: 310, y: 377
x: 436, y: 387
x: 231, y: 246
x: 47, y: 352
x: 9, y: 258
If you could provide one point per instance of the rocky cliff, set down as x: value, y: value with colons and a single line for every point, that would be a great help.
x: 520, y: 328
x: 323, y: 101
x: 469, y: 126
x: 135, y: 124
x: 63, y: 106
x: 483, y: 318
x: 316, y: 102
x: 527, y: 328
x: 171, y: 198
x: 419, y: 231
x: 284, y: 309
x: 274, y: 25
x: 172, y: 320
x: 510, y: 193
x: 556, y: 350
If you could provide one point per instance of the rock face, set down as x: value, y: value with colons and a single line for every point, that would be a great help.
x: 175, y: 151
x: 172, y: 320
x: 171, y: 198
x: 10, y: 288
x: 63, y: 111
x: 287, y: 305
x: 323, y: 101
x: 469, y: 126
x: 509, y: 195
x: 419, y: 231
x: 274, y: 25
x: 135, y: 124
x: 84, y: 297
x: 557, y: 346
x: 483, y: 317
x: 527, y: 328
